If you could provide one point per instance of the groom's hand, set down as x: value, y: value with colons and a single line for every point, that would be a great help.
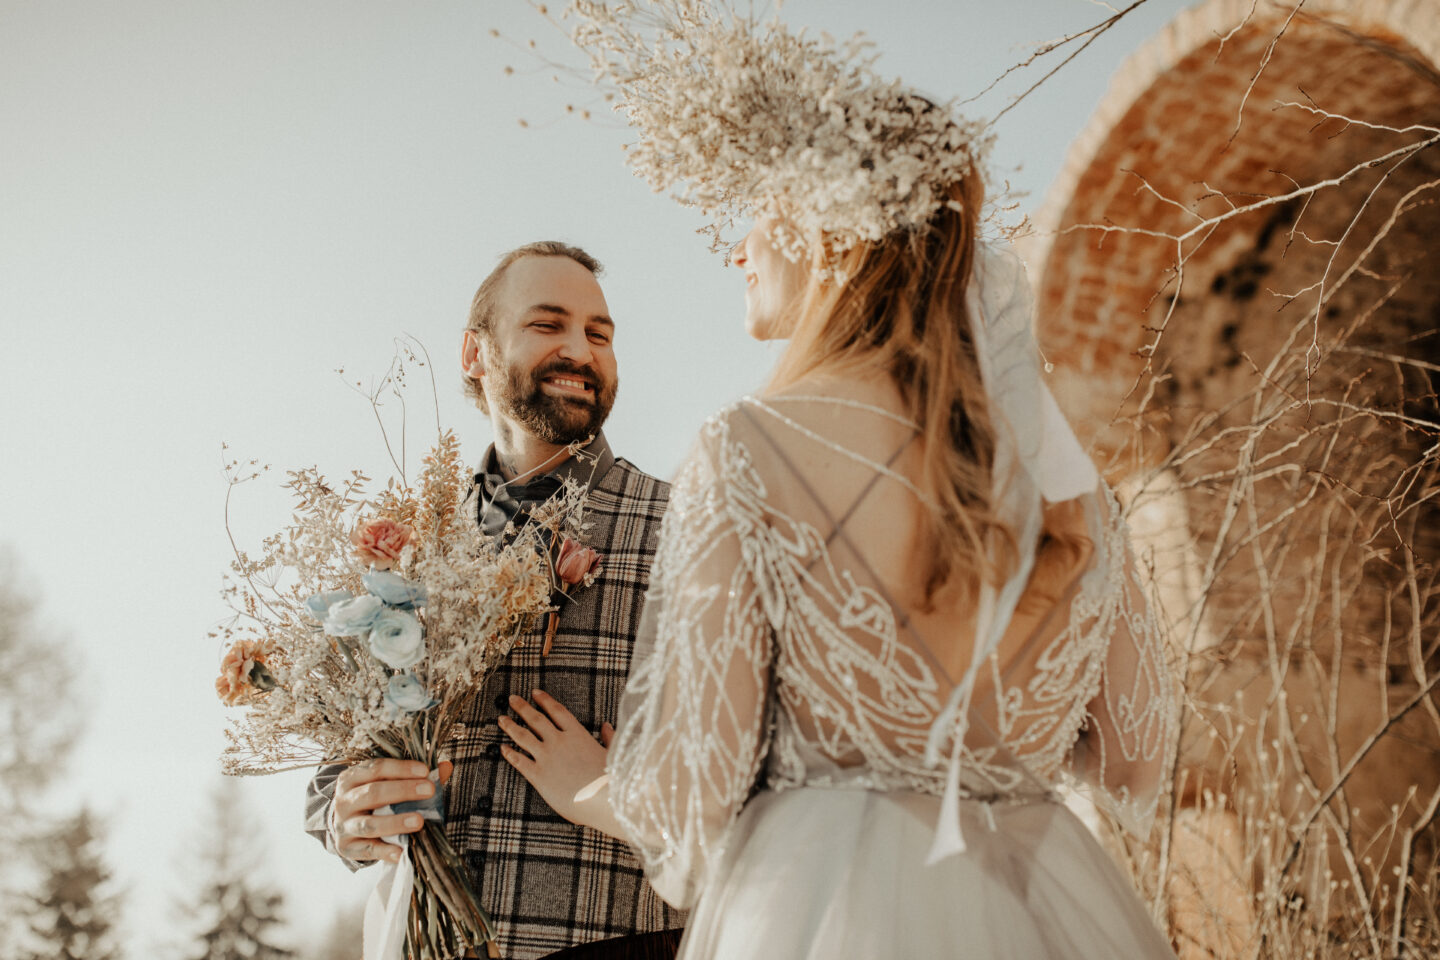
x: 363, y: 788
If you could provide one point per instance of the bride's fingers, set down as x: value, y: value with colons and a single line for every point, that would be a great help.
x: 534, y: 719
x: 523, y: 738
x: 525, y: 765
x: 557, y: 711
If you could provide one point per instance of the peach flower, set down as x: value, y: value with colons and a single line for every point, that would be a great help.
x: 380, y: 542
x: 576, y: 564
x: 233, y: 686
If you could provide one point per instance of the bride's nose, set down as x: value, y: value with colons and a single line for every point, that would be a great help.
x: 737, y: 253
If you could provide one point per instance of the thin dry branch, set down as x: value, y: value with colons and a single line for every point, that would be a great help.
x: 1264, y: 62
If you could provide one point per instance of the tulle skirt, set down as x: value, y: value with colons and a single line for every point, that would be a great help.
x: 841, y: 873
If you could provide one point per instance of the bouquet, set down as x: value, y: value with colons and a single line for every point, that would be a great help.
x: 365, y: 627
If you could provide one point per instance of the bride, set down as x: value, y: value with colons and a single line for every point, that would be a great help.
x: 892, y: 612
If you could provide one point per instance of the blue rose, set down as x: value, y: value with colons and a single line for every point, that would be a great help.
x: 319, y: 605
x: 352, y: 618
x: 395, y: 589
x: 406, y: 694
x: 396, y: 638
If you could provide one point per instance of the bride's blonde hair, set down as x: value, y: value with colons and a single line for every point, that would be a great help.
x: 900, y: 312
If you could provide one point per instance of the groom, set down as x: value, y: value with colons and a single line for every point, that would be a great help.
x: 537, y: 357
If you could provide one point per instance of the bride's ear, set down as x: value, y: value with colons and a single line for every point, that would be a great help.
x: 472, y: 358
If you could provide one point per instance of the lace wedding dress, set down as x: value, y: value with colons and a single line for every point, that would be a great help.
x: 821, y: 766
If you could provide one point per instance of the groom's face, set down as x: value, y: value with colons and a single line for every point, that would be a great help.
x: 548, y: 365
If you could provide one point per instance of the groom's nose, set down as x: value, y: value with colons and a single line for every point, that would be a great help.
x: 576, y: 347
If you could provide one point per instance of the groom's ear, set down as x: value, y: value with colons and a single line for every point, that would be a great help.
x: 472, y: 358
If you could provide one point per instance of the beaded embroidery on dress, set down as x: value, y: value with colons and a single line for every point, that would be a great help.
x: 782, y: 754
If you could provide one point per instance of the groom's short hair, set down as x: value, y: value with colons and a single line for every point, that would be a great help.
x: 482, y: 307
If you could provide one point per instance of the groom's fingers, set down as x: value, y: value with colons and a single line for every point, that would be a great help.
x: 385, y: 768
x: 358, y: 837
x: 376, y: 826
x: 354, y: 848
x: 367, y: 796
x: 364, y: 787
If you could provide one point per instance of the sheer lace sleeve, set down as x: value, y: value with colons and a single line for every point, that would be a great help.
x: 1129, y: 726
x: 1110, y: 653
x: 692, y: 731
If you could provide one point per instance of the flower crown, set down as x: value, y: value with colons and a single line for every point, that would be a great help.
x: 742, y: 118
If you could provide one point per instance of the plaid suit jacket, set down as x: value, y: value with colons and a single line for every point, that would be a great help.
x: 548, y: 883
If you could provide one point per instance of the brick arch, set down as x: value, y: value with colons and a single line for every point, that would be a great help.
x: 1168, y: 142
x: 1170, y: 121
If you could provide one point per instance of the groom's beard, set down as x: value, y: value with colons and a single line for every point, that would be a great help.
x: 555, y: 419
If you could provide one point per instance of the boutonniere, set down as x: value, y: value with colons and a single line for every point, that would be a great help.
x: 575, y: 566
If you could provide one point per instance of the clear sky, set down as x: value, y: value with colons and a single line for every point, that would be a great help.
x: 206, y: 209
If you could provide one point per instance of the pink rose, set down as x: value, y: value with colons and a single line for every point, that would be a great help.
x: 576, y: 564
x: 233, y: 686
x: 380, y: 542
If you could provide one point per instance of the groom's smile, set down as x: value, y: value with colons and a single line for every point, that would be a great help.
x: 567, y: 381
x: 569, y: 387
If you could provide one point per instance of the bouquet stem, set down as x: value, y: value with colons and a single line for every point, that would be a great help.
x: 446, y: 918
x: 445, y: 912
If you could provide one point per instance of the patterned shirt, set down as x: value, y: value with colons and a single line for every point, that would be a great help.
x: 547, y: 883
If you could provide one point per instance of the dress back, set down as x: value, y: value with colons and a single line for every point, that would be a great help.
x: 787, y: 640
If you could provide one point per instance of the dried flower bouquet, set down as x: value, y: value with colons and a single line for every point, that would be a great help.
x: 364, y: 628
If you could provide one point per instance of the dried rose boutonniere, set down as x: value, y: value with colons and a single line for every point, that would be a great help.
x: 575, y: 566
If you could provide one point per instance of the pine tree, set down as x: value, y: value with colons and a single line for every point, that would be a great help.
x: 37, y: 726
x: 73, y: 916
x: 239, y: 916
x: 243, y: 923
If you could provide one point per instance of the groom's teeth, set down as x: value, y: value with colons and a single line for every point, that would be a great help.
x: 576, y: 384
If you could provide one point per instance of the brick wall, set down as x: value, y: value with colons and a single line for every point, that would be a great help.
x: 1323, y: 551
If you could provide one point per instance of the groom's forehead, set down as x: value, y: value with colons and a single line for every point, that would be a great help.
x: 557, y: 285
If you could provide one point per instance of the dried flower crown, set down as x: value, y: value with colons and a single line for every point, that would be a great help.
x: 742, y: 118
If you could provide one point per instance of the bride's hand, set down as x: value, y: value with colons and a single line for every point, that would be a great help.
x: 560, y: 758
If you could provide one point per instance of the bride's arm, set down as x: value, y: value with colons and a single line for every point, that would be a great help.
x: 1084, y: 636
x: 692, y: 731
x: 694, y: 738
x: 1131, y: 719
